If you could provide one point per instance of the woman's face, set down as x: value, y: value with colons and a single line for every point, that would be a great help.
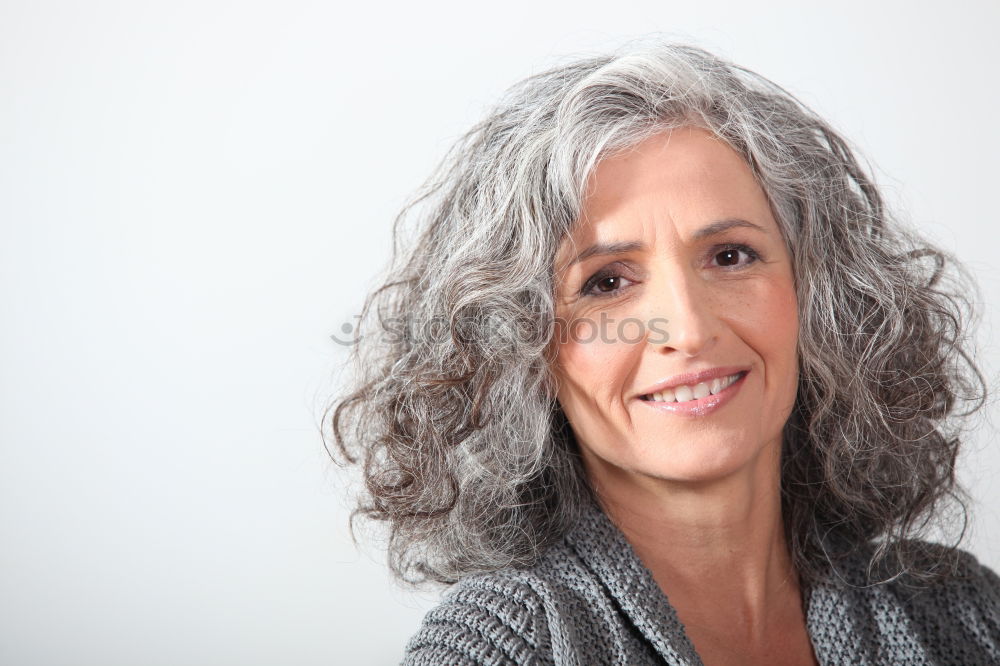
x: 675, y: 287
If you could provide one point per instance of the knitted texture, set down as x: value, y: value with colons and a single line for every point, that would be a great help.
x: 590, y: 600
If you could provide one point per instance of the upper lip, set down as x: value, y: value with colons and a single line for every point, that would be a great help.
x: 692, y: 378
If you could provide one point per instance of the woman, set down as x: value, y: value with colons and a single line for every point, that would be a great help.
x: 660, y: 380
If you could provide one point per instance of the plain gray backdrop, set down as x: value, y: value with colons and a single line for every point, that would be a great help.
x: 195, y: 195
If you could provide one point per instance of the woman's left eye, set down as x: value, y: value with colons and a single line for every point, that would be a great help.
x: 729, y: 255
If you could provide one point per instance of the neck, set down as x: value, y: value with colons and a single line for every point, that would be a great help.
x: 716, y: 549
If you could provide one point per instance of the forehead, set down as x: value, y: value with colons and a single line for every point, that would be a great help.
x: 678, y: 179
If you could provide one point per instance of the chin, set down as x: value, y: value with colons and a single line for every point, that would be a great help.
x: 701, y: 465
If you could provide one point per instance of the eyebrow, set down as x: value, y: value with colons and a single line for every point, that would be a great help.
x: 621, y: 247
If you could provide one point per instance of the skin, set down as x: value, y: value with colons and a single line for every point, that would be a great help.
x: 697, y: 497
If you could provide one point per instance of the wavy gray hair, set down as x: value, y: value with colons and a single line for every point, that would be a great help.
x: 452, y: 413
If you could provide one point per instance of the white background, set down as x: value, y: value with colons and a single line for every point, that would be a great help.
x: 195, y: 195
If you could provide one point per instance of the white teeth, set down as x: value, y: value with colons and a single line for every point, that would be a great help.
x: 683, y: 393
x: 664, y: 396
x: 696, y: 392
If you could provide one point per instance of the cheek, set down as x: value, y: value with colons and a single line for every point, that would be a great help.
x: 772, y: 318
x: 591, y: 361
x: 776, y: 337
x: 786, y: 313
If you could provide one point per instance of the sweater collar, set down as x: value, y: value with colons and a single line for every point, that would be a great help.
x: 834, y: 607
x: 606, y: 552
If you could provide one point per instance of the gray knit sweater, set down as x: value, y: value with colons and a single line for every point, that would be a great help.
x: 590, y: 600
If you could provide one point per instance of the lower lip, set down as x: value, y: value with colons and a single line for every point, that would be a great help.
x: 701, y: 406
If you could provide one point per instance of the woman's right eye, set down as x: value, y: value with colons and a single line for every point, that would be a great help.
x: 605, y: 283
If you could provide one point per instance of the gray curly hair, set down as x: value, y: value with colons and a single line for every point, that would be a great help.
x: 451, y: 410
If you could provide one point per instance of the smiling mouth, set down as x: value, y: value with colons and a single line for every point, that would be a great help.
x: 691, y: 393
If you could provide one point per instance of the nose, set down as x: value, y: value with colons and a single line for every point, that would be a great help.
x: 686, y: 302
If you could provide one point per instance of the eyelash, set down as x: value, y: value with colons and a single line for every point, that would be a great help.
x: 609, y: 273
